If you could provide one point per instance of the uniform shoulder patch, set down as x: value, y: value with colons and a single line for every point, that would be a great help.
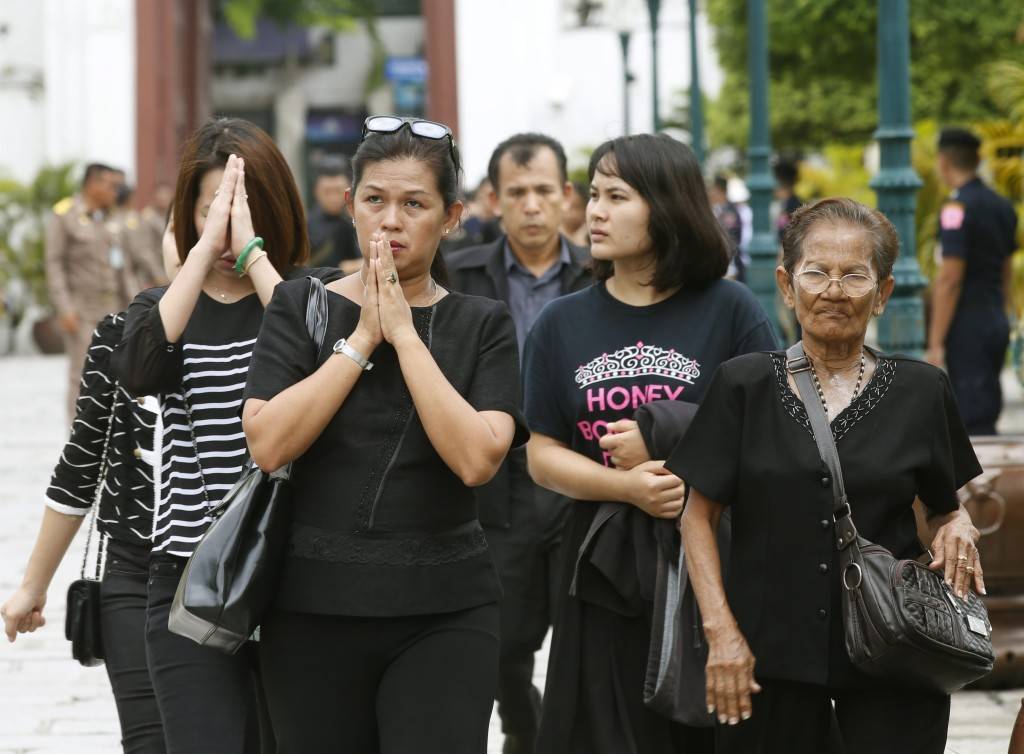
x: 62, y: 207
x: 952, y: 216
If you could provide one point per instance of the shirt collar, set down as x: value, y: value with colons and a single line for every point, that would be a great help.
x: 512, y: 264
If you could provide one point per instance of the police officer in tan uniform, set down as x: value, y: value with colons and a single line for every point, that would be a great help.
x: 86, y: 266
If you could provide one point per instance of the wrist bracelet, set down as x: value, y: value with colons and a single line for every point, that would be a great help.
x: 254, y: 256
x: 240, y: 262
x: 345, y: 349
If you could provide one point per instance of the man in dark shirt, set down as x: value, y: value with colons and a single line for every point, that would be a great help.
x: 527, y: 268
x: 969, y: 329
x: 786, y: 174
x: 332, y: 237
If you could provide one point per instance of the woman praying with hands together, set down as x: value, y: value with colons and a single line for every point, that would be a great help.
x: 384, y: 633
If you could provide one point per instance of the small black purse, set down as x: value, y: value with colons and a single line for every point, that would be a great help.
x: 901, y: 621
x: 82, y: 625
x: 231, y: 578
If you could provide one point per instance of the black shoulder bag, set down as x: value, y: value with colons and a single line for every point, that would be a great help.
x: 82, y: 618
x: 231, y: 578
x: 901, y: 621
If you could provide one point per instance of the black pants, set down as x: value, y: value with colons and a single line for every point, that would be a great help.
x: 340, y: 684
x: 208, y: 699
x: 528, y: 557
x: 975, y: 352
x: 795, y: 718
x: 123, y: 618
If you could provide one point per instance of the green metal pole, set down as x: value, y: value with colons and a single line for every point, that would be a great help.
x: 627, y: 78
x: 763, y: 244
x: 696, y: 100
x: 654, y: 8
x: 902, y: 326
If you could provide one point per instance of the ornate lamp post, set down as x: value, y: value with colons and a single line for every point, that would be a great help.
x: 653, y: 9
x: 763, y: 245
x: 696, y: 100
x: 902, y: 327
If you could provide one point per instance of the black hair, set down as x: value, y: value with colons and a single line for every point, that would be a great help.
x: 786, y: 173
x: 961, y: 147
x: 582, y: 190
x: 333, y: 166
x: 690, y: 249
x: 721, y: 183
x: 124, y: 194
x: 522, y: 148
x: 440, y: 155
x: 94, y: 169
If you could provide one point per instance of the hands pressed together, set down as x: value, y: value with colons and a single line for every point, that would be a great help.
x: 228, y: 228
x: 386, y: 315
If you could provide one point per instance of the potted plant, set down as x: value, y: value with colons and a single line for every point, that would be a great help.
x: 24, y: 212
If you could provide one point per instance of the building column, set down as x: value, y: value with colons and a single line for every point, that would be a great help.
x: 442, y: 84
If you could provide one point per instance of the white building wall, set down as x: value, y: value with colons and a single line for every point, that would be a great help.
x: 519, y: 70
x: 22, y: 101
x: 90, y: 81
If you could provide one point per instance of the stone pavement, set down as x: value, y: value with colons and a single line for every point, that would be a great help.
x: 50, y: 704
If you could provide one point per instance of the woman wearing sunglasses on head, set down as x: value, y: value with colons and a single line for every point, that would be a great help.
x: 384, y: 634
x: 191, y: 342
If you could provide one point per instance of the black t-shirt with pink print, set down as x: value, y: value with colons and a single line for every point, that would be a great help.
x: 591, y: 359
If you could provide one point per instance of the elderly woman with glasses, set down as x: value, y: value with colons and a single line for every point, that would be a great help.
x: 777, y: 661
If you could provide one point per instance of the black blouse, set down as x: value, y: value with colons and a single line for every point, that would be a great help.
x: 751, y: 447
x: 381, y: 525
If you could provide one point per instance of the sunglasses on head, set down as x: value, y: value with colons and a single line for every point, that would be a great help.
x: 426, y: 129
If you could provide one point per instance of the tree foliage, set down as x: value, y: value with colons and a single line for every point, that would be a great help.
x: 823, y: 66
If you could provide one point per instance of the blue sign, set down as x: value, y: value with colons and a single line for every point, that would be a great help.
x: 410, y: 70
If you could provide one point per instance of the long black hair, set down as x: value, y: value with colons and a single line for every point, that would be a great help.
x: 441, y: 156
x: 690, y: 249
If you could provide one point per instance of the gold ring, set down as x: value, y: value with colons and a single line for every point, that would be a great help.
x: 391, y: 278
x: 962, y: 557
x: 970, y: 569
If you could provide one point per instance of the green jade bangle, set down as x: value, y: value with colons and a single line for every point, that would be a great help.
x: 240, y: 262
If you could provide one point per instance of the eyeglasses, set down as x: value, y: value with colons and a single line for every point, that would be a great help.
x: 853, y: 285
x: 426, y: 129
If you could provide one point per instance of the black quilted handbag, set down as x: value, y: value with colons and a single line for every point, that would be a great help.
x: 901, y: 621
x: 82, y: 625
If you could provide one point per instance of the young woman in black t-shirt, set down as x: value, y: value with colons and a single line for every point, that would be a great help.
x: 654, y: 327
x: 384, y: 632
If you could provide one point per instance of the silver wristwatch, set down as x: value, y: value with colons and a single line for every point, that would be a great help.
x: 345, y: 349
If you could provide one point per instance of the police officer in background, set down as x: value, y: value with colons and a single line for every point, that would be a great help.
x: 526, y: 268
x: 969, y: 329
x: 87, y: 271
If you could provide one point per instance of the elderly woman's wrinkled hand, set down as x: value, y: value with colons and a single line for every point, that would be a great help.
x: 729, y: 678
x: 955, y: 552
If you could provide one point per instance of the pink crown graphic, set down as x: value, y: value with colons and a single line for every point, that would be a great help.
x: 632, y: 361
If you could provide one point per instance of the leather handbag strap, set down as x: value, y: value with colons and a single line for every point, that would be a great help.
x: 798, y: 365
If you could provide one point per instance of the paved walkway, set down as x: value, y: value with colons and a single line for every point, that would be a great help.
x: 50, y: 704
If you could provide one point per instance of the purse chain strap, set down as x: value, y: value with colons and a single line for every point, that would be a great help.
x: 101, y: 482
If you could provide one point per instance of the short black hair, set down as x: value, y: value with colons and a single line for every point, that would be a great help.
x: 523, y: 147
x: 332, y: 166
x: 690, y: 249
x: 94, y: 169
x: 722, y: 183
x: 961, y: 146
x: 582, y: 190
x: 786, y: 172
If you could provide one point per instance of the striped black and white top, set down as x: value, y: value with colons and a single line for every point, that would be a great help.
x: 203, y: 375
x: 126, y: 503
